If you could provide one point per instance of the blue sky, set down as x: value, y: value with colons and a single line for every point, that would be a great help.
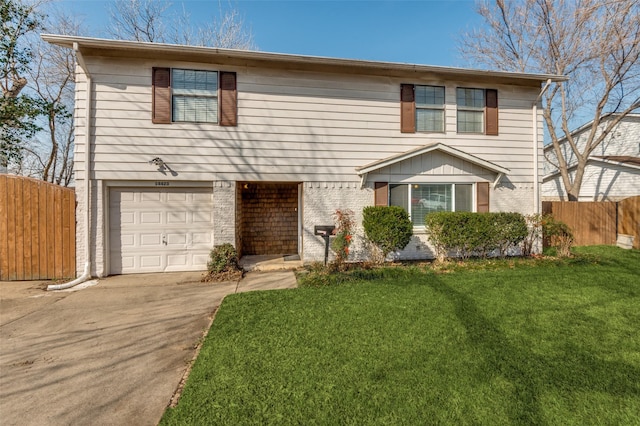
x: 422, y: 32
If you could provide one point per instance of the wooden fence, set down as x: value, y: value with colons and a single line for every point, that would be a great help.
x: 37, y: 230
x: 599, y: 222
x: 629, y: 219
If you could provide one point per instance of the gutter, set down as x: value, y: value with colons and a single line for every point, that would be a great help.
x: 86, y: 275
x: 536, y: 184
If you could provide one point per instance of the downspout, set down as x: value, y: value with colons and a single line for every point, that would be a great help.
x: 86, y: 275
x: 536, y: 185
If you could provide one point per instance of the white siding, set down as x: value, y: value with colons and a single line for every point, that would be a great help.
x: 300, y: 126
x: 600, y: 183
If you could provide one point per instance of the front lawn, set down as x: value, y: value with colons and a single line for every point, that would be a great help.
x: 509, y: 343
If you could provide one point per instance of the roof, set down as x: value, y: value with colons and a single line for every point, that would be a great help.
x: 622, y: 159
x: 438, y: 146
x: 135, y: 49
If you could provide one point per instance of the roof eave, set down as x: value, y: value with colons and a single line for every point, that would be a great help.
x: 164, y: 49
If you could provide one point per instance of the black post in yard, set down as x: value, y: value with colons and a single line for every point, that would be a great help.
x: 325, y: 231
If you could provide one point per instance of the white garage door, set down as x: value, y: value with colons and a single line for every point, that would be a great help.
x: 160, y: 230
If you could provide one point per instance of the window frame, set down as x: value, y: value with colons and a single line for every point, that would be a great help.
x: 215, y: 96
x: 474, y: 196
x: 431, y: 107
x: 466, y: 108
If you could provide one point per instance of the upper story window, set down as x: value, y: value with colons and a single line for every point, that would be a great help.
x: 194, y: 96
x: 470, y: 110
x: 429, y: 108
x: 477, y: 110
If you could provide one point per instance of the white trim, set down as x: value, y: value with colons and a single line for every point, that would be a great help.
x: 154, y: 183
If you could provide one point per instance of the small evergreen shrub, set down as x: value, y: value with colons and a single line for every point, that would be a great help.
x: 388, y: 228
x: 467, y: 234
x: 223, y: 258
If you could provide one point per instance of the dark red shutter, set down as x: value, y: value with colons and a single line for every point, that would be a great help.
x: 228, y: 99
x: 491, y: 112
x: 161, y: 95
x: 382, y: 193
x: 407, y: 109
x: 482, y: 197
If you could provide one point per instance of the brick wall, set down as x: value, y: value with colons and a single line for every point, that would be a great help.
x: 269, y: 218
x: 224, y: 204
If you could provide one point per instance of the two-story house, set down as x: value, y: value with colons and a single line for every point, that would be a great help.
x: 180, y: 148
x: 613, y: 168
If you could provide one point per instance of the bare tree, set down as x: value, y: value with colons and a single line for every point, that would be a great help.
x: 139, y: 20
x: 594, y: 42
x: 152, y: 21
x: 52, y: 74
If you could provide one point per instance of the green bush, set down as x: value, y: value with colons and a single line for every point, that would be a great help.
x: 558, y: 234
x: 467, y: 233
x: 388, y: 228
x: 224, y: 258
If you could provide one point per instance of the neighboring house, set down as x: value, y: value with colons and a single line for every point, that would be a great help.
x: 613, y: 168
x: 186, y: 147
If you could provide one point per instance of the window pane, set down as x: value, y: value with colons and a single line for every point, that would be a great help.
x: 188, y: 108
x: 429, y: 95
x: 194, y: 95
x: 429, y: 120
x: 470, y: 98
x: 470, y: 121
x: 399, y: 196
x: 464, y: 198
x: 427, y: 199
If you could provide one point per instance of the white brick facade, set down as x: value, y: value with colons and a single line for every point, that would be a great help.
x: 224, y: 207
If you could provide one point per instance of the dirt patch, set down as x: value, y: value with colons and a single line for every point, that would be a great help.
x: 226, y: 276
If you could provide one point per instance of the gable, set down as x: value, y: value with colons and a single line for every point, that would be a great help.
x: 435, y: 161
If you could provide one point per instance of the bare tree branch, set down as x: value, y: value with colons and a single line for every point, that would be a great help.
x: 596, y: 43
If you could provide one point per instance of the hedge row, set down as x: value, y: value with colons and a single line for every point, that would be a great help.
x: 467, y: 234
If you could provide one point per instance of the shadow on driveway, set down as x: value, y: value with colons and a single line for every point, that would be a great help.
x: 109, y: 354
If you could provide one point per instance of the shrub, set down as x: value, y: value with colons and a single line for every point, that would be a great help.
x: 343, y: 236
x: 558, y: 234
x: 224, y: 258
x: 474, y: 233
x: 388, y: 228
x: 511, y: 230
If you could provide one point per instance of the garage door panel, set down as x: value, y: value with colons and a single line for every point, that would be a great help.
x: 155, y: 230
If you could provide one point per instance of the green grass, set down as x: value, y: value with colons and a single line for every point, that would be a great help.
x: 501, y: 342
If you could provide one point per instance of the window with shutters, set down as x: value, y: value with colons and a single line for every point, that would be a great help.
x: 429, y: 108
x: 477, y: 110
x: 194, y: 96
x: 421, y: 199
x: 470, y: 110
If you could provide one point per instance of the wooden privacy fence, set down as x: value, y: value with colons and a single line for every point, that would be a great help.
x: 597, y: 222
x: 629, y: 219
x: 37, y: 230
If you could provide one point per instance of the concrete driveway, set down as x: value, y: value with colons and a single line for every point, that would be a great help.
x: 113, y: 353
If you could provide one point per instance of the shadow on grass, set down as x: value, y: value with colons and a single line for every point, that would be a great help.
x: 576, y: 370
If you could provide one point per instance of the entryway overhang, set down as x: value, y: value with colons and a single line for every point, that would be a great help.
x: 363, y: 171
